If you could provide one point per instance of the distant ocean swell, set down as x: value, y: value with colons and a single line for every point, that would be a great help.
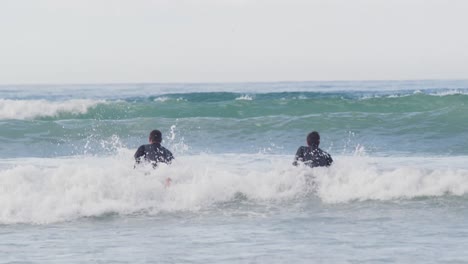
x: 414, y: 123
x: 232, y: 105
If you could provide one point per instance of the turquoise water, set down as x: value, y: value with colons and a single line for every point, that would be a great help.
x: 396, y: 193
x: 69, y: 120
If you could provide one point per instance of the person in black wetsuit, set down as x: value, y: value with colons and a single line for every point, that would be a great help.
x: 153, y: 153
x: 312, y: 155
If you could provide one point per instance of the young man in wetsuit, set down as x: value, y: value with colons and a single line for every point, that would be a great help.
x: 154, y: 153
x: 312, y: 155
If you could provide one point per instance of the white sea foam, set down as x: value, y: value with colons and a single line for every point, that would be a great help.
x: 358, y: 179
x: 161, y: 99
x: 440, y: 93
x: 245, y: 97
x: 379, y: 96
x: 52, y: 190
x: 28, y: 109
x: 450, y: 92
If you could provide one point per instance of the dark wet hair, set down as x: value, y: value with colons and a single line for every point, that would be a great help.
x: 155, y: 136
x: 313, y: 138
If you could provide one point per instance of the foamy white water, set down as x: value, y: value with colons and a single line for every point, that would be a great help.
x: 41, y: 191
x: 26, y: 109
x: 88, y: 203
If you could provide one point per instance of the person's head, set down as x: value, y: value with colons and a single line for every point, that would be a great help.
x: 155, y: 136
x: 313, y: 139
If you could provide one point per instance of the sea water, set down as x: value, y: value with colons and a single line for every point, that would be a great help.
x: 397, y: 191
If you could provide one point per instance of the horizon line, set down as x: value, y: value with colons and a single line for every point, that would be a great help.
x: 226, y: 82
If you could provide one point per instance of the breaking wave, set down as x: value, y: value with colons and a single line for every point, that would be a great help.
x: 62, y: 189
x: 30, y: 109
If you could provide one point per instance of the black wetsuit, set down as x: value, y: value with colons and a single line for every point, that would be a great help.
x: 153, y: 153
x: 312, y: 156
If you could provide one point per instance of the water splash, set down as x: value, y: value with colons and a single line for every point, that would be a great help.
x: 177, y: 144
x: 63, y: 189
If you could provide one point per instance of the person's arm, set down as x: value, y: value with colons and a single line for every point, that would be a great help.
x: 329, y: 160
x: 299, y: 156
x: 139, y: 154
x: 324, y: 158
x: 165, y: 155
x: 170, y: 157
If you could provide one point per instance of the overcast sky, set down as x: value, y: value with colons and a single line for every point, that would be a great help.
x: 112, y: 41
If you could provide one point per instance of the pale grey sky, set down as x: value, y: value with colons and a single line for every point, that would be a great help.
x: 111, y: 41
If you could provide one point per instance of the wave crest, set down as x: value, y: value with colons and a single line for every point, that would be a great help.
x: 29, y: 109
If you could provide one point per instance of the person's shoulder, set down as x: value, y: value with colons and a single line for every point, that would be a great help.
x: 324, y: 152
x: 167, y: 153
x: 144, y: 147
x: 140, y: 151
x: 301, y: 151
x: 141, y: 147
x: 164, y: 148
x: 161, y: 146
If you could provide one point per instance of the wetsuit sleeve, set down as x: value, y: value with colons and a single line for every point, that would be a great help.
x: 299, y: 156
x: 169, y: 157
x: 329, y: 160
x: 139, y: 153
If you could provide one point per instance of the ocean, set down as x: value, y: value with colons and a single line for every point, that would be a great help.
x: 397, y: 191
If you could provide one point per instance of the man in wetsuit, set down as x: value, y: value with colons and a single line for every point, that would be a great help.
x: 312, y: 155
x: 153, y: 153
